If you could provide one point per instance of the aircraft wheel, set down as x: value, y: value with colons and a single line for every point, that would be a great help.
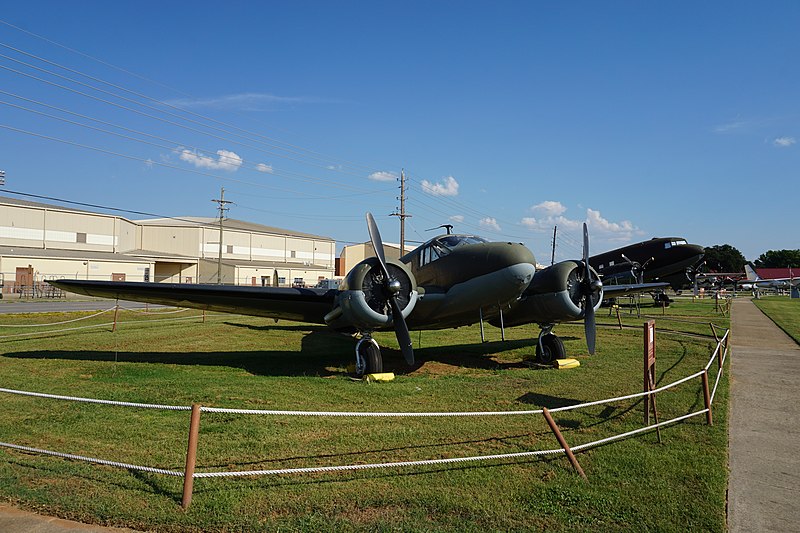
x: 370, y: 360
x: 552, y: 348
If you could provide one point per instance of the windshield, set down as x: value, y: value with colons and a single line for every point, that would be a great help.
x: 453, y: 241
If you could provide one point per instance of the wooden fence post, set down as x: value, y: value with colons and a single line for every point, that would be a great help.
x: 191, y: 457
x: 563, y: 443
x: 707, y: 398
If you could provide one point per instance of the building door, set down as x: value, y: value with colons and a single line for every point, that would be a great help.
x: 117, y: 277
x: 265, y: 281
x: 24, y: 278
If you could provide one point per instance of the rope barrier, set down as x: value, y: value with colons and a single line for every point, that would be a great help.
x: 317, y: 469
x: 635, y: 431
x: 54, y: 323
x: 151, y: 312
x: 92, y: 460
x: 192, y: 475
x: 103, y: 402
x: 55, y: 331
x: 365, y: 414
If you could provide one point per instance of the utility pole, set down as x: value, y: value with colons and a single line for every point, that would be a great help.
x: 402, y: 214
x: 553, y: 257
x: 222, y: 202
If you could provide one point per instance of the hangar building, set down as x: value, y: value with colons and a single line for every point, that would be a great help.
x: 40, y: 241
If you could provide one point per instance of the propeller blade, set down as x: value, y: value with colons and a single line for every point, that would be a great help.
x: 400, y: 326
x: 377, y: 244
x: 589, y: 326
x: 402, y: 334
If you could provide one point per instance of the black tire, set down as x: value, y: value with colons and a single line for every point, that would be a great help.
x: 552, y: 348
x: 371, y: 355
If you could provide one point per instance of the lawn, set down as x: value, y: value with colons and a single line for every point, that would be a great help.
x: 245, y: 362
x: 784, y: 312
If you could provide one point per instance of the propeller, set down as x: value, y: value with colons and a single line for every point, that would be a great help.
x: 637, y: 268
x: 589, y: 287
x: 392, y: 288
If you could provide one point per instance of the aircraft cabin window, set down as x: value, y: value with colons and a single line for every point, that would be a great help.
x: 667, y: 245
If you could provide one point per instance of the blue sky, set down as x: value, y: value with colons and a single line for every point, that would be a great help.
x: 644, y: 118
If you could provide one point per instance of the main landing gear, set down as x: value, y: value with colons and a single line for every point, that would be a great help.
x: 368, y: 356
x: 549, y: 348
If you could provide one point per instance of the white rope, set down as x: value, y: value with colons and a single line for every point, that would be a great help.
x: 93, y: 460
x: 635, y: 431
x: 314, y: 469
x: 54, y: 323
x: 152, y: 312
x: 55, y: 330
x: 363, y: 414
x: 629, y: 396
x: 719, y: 375
x: 716, y: 350
x: 104, y: 402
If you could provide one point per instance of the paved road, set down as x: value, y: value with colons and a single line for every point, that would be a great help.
x: 764, y: 484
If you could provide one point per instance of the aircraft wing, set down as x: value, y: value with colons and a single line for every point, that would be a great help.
x: 610, y: 291
x: 303, y: 305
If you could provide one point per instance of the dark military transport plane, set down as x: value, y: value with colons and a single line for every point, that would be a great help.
x: 450, y: 281
x: 661, y: 259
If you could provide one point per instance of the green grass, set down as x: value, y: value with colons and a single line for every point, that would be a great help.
x: 784, y: 312
x: 244, y: 362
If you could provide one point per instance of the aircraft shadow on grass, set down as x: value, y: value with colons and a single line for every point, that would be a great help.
x: 322, y: 353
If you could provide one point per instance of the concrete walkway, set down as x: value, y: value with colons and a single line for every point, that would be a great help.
x: 13, y: 519
x: 764, y: 484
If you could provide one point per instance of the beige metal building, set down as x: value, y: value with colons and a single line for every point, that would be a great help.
x: 40, y: 241
x: 355, y: 253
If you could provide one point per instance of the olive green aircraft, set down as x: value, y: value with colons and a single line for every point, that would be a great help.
x: 450, y: 281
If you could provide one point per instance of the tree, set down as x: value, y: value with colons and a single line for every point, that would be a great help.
x: 724, y: 258
x: 779, y: 259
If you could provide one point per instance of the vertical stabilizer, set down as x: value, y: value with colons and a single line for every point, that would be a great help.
x: 751, y: 274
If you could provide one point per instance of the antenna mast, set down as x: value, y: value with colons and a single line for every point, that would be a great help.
x: 222, y: 203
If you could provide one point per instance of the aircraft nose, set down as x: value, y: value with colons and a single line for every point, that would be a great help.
x: 695, y: 249
x: 516, y: 259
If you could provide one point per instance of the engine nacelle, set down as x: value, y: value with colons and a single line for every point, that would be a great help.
x: 555, y: 295
x: 363, y: 301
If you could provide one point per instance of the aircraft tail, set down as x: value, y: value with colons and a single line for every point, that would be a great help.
x: 751, y: 274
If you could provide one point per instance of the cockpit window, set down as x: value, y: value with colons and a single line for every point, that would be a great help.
x: 443, y: 245
x: 675, y: 242
x: 451, y: 241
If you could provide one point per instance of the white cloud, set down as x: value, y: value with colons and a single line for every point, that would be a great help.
x: 458, y: 219
x: 489, y: 223
x: 447, y: 187
x: 547, y: 223
x: 383, y: 176
x: 784, y: 142
x: 263, y: 167
x: 226, y: 160
x: 613, y: 231
x: 549, y: 208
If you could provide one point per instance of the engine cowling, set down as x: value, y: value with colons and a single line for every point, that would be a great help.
x: 555, y: 295
x: 363, y: 301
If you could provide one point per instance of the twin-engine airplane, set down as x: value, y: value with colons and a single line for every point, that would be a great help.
x: 450, y: 281
x: 671, y: 260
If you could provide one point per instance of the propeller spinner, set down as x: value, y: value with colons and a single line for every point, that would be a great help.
x: 392, y: 288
